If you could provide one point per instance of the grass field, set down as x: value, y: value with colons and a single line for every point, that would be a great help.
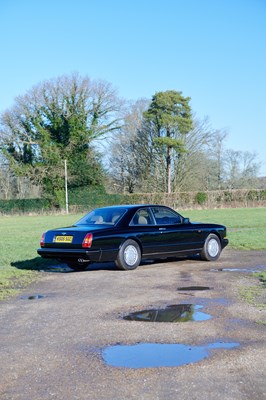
x: 20, y: 236
x: 246, y: 226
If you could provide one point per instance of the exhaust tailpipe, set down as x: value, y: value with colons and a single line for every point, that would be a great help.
x: 82, y: 261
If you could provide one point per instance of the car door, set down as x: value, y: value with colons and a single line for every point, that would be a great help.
x: 175, y: 235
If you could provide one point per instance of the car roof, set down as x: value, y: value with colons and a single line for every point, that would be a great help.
x: 130, y: 206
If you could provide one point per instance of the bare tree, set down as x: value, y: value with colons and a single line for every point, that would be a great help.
x: 130, y: 151
x: 193, y: 168
x: 217, y: 155
x: 241, y: 169
x: 6, y: 179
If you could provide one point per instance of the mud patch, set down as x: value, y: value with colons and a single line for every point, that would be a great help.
x: 172, y: 313
x: 192, y: 288
x: 155, y: 355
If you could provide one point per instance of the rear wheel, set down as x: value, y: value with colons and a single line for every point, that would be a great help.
x: 212, y: 248
x: 129, y: 255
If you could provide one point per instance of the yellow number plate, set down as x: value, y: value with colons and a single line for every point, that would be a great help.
x: 63, y: 239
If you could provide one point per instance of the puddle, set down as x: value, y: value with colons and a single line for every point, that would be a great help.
x: 154, y: 355
x: 188, y: 288
x: 236, y: 270
x: 251, y: 270
x: 58, y: 268
x: 33, y: 297
x: 172, y: 313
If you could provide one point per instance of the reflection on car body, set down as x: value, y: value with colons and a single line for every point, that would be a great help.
x: 127, y: 234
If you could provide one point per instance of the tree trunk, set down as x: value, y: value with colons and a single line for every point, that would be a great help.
x: 168, y: 169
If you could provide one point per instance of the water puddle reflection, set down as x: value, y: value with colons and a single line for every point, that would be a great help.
x: 172, y: 313
x: 154, y: 355
x: 58, y: 269
x: 250, y: 270
x: 33, y: 297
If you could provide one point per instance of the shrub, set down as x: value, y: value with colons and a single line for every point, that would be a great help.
x: 201, y: 198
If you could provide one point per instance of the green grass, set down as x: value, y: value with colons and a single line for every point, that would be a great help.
x: 255, y: 295
x: 231, y: 217
x: 20, y: 237
x: 246, y: 227
x: 262, y: 277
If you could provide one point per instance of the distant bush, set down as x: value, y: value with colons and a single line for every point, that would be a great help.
x: 201, y: 197
x: 253, y: 195
x: 228, y: 196
x: 263, y: 194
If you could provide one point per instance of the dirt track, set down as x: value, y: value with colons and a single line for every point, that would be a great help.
x: 51, y: 348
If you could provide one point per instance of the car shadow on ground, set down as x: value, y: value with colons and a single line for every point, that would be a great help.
x: 36, y: 264
x: 53, y: 266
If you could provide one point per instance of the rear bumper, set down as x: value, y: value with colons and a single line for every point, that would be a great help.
x: 67, y: 254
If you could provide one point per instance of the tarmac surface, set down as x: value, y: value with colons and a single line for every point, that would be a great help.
x: 56, y: 333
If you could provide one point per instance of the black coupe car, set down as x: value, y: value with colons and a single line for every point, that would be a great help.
x: 129, y: 233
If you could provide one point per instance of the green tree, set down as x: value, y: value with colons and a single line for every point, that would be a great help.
x: 170, y: 119
x: 56, y: 120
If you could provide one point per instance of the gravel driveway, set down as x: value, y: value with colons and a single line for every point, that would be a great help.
x: 51, y: 347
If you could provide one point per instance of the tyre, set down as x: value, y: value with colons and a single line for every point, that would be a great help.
x: 129, y: 255
x: 212, y: 248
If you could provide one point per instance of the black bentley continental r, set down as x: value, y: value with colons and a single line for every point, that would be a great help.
x: 128, y: 234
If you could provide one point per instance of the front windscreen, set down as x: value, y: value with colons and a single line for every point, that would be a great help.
x: 106, y: 216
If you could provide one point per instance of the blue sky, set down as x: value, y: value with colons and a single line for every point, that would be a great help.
x: 214, y: 51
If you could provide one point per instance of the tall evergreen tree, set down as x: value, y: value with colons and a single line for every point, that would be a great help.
x: 170, y: 119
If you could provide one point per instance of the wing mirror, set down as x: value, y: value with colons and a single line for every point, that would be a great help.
x: 186, y: 220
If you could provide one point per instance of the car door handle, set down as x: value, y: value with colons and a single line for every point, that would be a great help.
x: 162, y: 229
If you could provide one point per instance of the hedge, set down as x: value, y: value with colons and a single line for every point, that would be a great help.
x: 17, y: 206
x: 82, y: 200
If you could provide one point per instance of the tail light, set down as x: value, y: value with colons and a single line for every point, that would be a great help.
x: 42, y: 240
x: 87, y: 241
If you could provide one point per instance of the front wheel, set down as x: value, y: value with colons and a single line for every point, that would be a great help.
x: 212, y: 248
x: 129, y: 255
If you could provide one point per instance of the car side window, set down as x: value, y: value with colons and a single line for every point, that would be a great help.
x: 142, y: 217
x: 164, y: 216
